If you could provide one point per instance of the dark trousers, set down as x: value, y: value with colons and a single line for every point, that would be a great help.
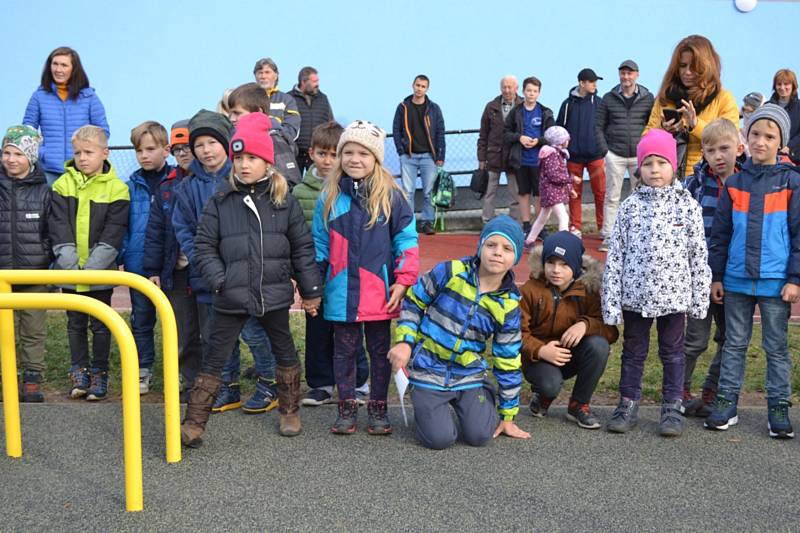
x: 77, y: 325
x: 635, y: 345
x: 347, y: 341
x: 224, y: 336
x: 698, y: 333
x: 319, y: 354
x: 190, y: 344
x: 588, y: 363
x: 143, y: 322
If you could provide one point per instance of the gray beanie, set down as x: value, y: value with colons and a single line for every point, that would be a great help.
x: 776, y: 114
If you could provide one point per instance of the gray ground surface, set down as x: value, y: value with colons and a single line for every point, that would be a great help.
x: 247, y: 478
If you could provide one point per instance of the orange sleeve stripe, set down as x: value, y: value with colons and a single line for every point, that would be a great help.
x: 740, y: 199
x: 777, y: 202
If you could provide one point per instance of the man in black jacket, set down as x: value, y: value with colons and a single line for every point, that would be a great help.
x: 621, y: 118
x: 314, y: 108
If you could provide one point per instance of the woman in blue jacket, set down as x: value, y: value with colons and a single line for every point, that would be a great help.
x: 63, y: 103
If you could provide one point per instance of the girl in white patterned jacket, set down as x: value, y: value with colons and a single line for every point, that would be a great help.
x: 657, y: 268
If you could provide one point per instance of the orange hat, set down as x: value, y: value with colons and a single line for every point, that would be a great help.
x: 179, y: 134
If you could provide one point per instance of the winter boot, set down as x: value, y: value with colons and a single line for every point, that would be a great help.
x: 201, y: 398
x: 229, y: 398
x: 378, y: 419
x: 289, y: 400
x: 264, y: 399
x: 31, y: 390
x: 672, y: 421
x: 348, y: 416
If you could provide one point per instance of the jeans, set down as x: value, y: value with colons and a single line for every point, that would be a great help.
x: 425, y: 166
x: 491, y: 195
x: 143, y: 322
x: 30, y: 332
x: 190, y: 344
x: 347, y: 341
x: 698, y: 332
x: 635, y: 345
x: 77, y: 324
x: 775, y: 314
x: 615, y: 177
x: 256, y: 339
x: 597, y: 179
x: 588, y: 363
x: 319, y: 354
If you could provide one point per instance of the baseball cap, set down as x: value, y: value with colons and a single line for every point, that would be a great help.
x: 588, y: 74
x: 629, y: 64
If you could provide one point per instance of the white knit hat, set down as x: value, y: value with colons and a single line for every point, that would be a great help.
x: 367, y: 135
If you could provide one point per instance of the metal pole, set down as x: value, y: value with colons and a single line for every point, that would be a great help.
x: 8, y: 360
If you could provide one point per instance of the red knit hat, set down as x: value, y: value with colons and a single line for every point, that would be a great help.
x: 252, y: 137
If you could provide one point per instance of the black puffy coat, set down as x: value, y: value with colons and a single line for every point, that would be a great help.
x: 25, y: 206
x: 618, y: 127
x: 248, y: 250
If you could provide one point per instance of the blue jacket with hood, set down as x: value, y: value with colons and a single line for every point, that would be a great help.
x: 577, y: 115
x: 160, y: 245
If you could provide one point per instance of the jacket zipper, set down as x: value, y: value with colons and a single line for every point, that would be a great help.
x: 253, y: 208
x: 556, y: 301
x: 13, y: 223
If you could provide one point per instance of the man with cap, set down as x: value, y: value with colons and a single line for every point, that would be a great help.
x: 577, y: 115
x: 282, y: 107
x: 314, y: 108
x: 621, y: 118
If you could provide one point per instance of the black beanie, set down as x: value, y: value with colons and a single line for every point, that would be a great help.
x: 215, y: 125
x: 566, y: 247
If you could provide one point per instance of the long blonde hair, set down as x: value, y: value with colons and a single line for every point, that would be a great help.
x: 278, y: 186
x: 380, y: 186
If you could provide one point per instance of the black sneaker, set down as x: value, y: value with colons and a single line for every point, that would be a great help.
x: 427, y: 228
x: 378, y: 419
x: 539, y: 405
x: 581, y: 415
x: 317, y: 397
x: 348, y: 417
x: 780, y: 427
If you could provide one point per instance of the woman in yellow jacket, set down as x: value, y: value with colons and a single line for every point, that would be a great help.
x: 692, y: 86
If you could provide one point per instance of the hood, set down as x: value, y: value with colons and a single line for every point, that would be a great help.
x: 765, y: 170
x: 311, y: 181
x: 108, y: 173
x: 199, y: 172
x: 592, y: 276
x: 575, y: 95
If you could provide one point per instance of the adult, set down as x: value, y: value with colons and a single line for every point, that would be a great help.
x: 692, y: 86
x: 577, y: 114
x: 620, y: 120
x: 282, y: 107
x: 418, y: 132
x: 314, y: 108
x: 63, y: 103
x: 784, y: 93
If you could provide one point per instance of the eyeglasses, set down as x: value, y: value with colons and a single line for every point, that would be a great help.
x: 181, y: 149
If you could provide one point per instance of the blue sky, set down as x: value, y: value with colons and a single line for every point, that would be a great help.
x: 165, y: 60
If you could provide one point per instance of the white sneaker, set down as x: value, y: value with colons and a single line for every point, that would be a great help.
x: 603, y: 246
x: 145, y: 374
x: 575, y: 231
x: 362, y: 393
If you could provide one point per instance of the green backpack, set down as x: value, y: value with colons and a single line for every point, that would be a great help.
x: 443, y: 195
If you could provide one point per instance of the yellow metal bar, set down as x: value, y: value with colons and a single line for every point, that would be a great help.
x: 172, y: 408
x: 8, y: 364
x: 131, y: 414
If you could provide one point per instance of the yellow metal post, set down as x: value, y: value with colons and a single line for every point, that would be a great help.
x: 172, y: 408
x: 8, y: 366
x: 131, y: 414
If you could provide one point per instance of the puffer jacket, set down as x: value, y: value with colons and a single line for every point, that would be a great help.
x: 25, y: 207
x: 577, y: 115
x: 58, y: 120
x: 491, y: 146
x: 248, y: 250
x: 657, y: 261
x: 448, y: 322
x: 618, y: 127
x: 132, y: 255
x: 314, y: 110
x: 514, y: 130
x: 160, y: 245
x: 308, y: 192
x: 548, y: 313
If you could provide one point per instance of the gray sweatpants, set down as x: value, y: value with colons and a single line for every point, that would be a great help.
x: 475, y: 409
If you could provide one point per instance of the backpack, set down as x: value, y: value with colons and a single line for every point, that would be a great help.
x: 443, y: 194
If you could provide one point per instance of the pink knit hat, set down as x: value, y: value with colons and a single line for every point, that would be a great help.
x: 252, y: 137
x: 657, y: 142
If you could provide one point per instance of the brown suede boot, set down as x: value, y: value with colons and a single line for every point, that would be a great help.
x: 289, y: 399
x: 201, y: 398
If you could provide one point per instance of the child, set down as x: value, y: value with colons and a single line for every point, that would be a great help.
x: 209, y: 136
x: 251, y: 242
x: 152, y: 149
x: 366, y: 242
x: 755, y: 258
x: 721, y: 148
x: 447, y: 319
x: 656, y: 269
x: 25, y: 243
x: 563, y: 335
x: 555, y: 183
x: 319, y: 332
x: 87, y: 226
x: 167, y: 266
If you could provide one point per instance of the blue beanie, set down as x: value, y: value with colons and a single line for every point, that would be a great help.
x: 566, y: 247
x: 507, y: 227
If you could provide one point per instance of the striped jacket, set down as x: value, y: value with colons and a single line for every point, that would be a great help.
x: 447, y: 322
x: 755, y: 241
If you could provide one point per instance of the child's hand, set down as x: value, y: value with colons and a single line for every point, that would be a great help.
x: 717, y: 292
x: 790, y: 293
x: 573, y: 335
x: 311, y: 306
x: 511, y: 429
x: 156, y: 280
x: 553, y: 353
x: 399, y: 356
x: 576, y: 179
x: 573, y: 193
x: 396, y: 294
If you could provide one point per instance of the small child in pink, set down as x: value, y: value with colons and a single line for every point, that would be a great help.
x: 555, y: 182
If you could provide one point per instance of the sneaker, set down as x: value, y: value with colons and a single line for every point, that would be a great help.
x: 581, y: 415
x: 672, y: 421
x: 316, y: 397
x: 80, y: 382
x: 575, y: 231
x: 362, y: 394
x: 625, y: 416
x: 723, y: 411
x: 227, y: 399
x: 145, y: 375
x: 31, y: 390
x: 780, y: 427
x: 700, y: 406
x: 427, y: 228
x: 98, y: 390
x: 539, y: 405
x: 264, y: 399
x: 378, y: 419
x: 348, y: 417
x: 603, y: 246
